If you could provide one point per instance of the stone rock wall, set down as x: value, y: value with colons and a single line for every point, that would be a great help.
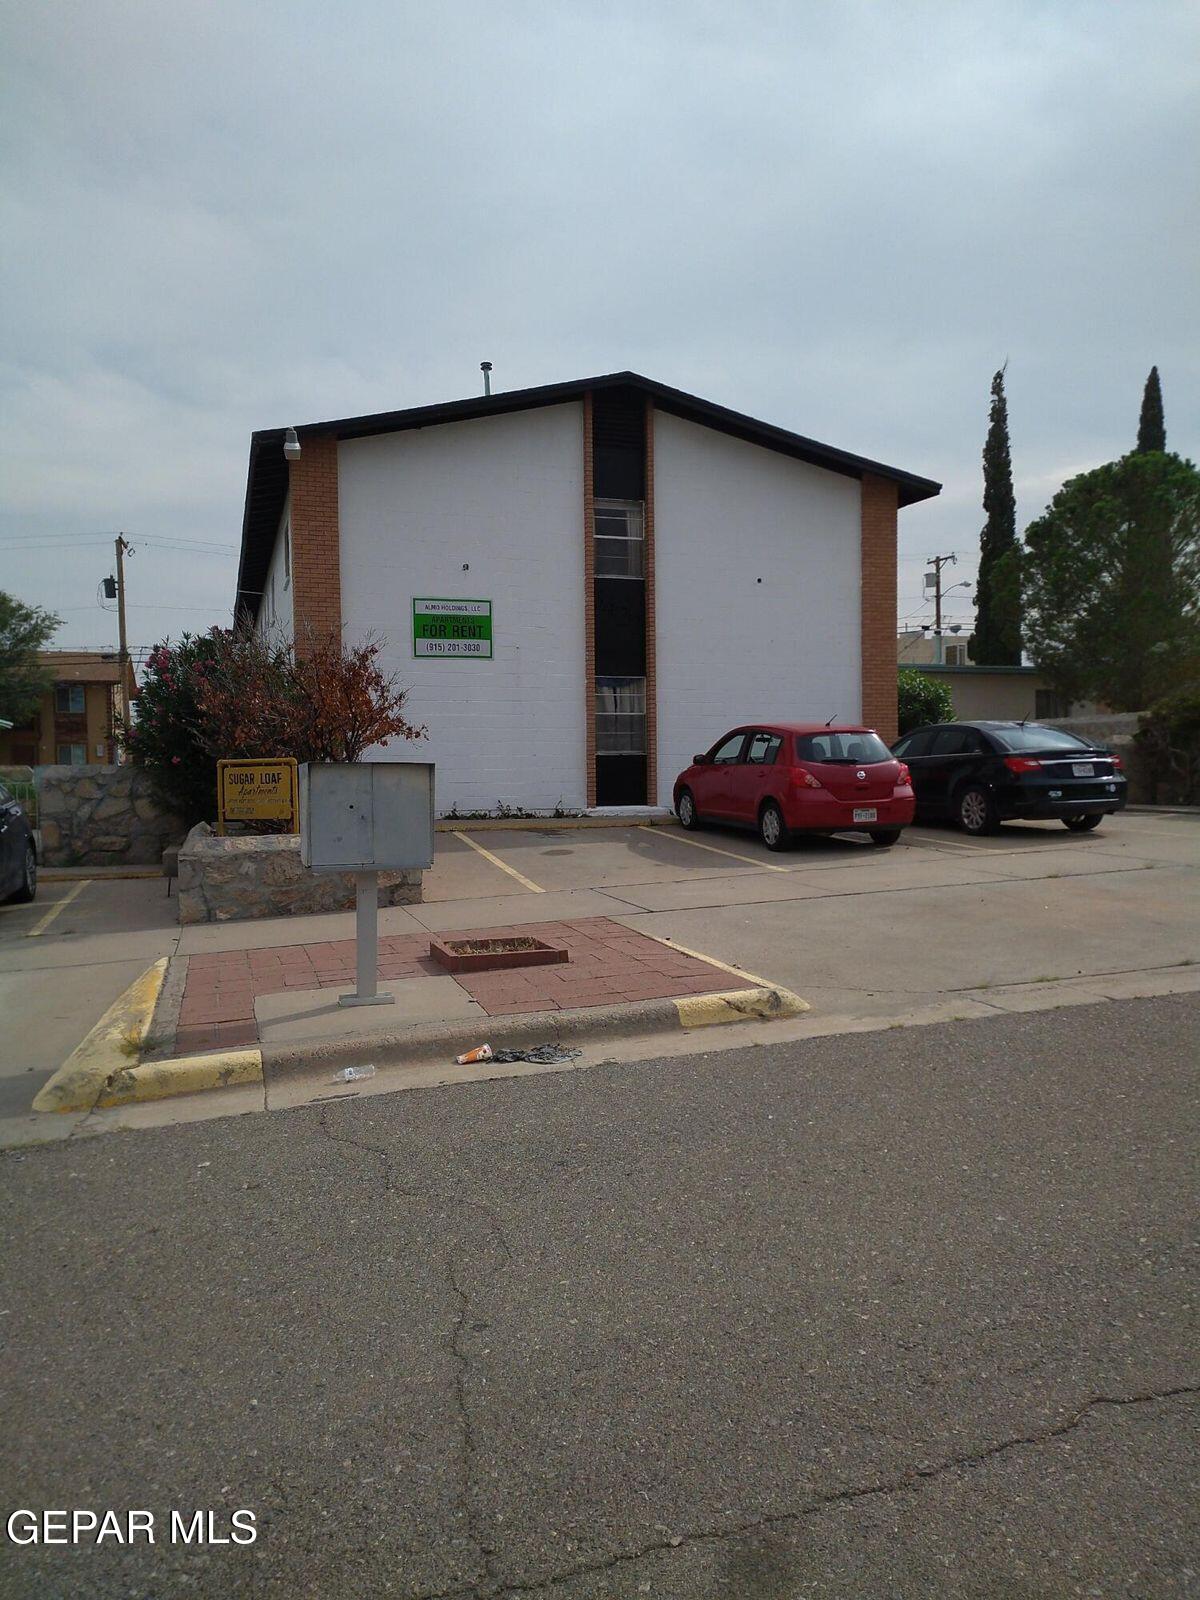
x: 102, y: 817
x: 234, y: 879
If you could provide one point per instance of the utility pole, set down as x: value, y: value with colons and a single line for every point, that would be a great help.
x: 123, y: 663
x: 937, y: 563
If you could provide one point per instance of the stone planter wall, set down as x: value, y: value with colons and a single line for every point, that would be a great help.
x: 235, y: 879
x: 101, y: 817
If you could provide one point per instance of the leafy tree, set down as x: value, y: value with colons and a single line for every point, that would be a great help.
x: 24, y: 630
x: 996, y: 641
x: 230, y: 694
x: 922, y: 699
x: 1111, y: 577
x: 1152, y: 429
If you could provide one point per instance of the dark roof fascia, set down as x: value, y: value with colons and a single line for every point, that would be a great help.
x: 265, y: 500
x: 950, y: 671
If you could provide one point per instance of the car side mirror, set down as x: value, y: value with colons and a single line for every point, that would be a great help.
x: 699, y: 761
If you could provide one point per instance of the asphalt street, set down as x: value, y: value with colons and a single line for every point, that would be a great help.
x: 903, y: 1313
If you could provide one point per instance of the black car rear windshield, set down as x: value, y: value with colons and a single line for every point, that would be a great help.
x: 842, y: 748
x: 1032, y: 736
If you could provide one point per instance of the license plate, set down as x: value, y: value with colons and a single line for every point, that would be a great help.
x: 865, y: 814
x: 1083, y: 769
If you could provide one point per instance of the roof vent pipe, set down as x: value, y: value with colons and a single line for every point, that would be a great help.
x: 486, y: 368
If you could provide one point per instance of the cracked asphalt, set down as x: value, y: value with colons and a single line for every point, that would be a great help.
x: 893, y: 1314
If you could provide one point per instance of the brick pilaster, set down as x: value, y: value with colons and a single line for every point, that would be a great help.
x: 589, y: 600
x: 651, y: 632
x: 878, y: 612
x: 316, y: 553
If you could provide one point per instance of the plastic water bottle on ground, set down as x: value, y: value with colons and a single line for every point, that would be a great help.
x: 353, y: 1074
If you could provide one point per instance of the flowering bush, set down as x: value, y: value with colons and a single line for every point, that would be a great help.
x: 231, y: 695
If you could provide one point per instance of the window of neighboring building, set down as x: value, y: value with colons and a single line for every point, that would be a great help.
x: 620, y: 539
x: 620, y: 716
x: 68, y: 699
x: 956, y: 655
x: 1048, y: 704
x: 72, y: 755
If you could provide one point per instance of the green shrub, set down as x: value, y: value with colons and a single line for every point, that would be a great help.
x: 922, y: 699
x: 1169, y: 737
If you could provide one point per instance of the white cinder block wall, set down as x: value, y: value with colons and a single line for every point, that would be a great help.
x: 275, y: 612
x: 503, y: 494
x: 732, y: 649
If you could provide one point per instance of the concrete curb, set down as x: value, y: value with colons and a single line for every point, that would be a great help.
x: 656, y: 819
x: 110, y: 1047
x: 441, y: 1041
x: 106, y: 1069
x: 158, y: 1080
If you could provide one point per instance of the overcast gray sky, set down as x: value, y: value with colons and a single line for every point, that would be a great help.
x: 837, y: 217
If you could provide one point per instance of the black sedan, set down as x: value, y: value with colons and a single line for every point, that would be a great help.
x: 18, y: 858
x: 980, y: 774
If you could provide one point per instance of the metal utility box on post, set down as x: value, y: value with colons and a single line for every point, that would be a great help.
x: 366, y: 817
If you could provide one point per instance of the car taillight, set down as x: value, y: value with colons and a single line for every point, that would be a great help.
x: 904, y: 776
x: 805, y: 779
x: 1021, y: 764
x: 1118, y: 764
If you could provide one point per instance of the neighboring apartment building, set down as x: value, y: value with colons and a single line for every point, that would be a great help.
x: 918, y: 647
x: 584, y: 583
x: 74, y: 725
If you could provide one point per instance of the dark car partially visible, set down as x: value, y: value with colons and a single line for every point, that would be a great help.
x: 980, y: 774
x: 18, y: 857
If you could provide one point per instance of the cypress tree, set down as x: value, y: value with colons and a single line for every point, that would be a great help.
x: 1152, y: 429
x: 996, y: 641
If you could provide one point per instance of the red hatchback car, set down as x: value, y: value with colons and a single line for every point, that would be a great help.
x: 798, y: 777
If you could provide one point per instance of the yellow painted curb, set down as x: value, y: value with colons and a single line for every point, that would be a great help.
x: 156, y: 1080
x: 738, y: 1005
x: 537, y: 824
x: 113, y: 1044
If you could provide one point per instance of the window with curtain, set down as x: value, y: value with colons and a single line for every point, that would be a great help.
x: 620, y: 716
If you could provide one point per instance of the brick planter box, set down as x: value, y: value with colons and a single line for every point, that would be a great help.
x: 491, y: 955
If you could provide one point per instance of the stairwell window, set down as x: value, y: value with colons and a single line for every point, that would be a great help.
x: 620, y: 716
x: 620, y: 539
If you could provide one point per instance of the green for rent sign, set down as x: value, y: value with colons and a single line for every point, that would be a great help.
x: 452, y: 628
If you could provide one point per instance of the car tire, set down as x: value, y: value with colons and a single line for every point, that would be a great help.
x: 1083, y: 824
x: 884, y: 838
x: 689, y: 817
x: 975, y: 811
x: 28, y: 888
x: 772, y: 829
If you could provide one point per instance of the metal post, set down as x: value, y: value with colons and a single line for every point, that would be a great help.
x: 123, y: 665
x: 366, y: 941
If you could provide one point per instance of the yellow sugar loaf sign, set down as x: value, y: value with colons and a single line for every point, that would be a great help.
x: 257, y: 791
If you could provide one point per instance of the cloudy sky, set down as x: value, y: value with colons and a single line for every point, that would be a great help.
x: 837, y: 217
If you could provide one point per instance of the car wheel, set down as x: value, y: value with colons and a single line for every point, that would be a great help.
x: 976, y: 811
x: 28, y: 878
x: 1082, y: 824
x: 772, y: 829
x: 885, y: 837
x: 686, y: 811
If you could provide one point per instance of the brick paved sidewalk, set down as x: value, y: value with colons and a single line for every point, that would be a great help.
x: 608, y: 964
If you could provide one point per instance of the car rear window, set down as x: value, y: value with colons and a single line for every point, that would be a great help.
x: 1032, y: 736
x: 842, y: 748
